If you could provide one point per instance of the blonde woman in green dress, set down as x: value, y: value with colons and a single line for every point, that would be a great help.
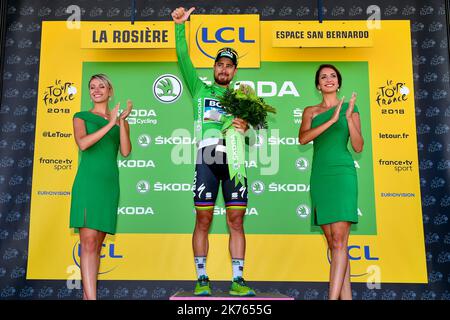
x: 334, y: 187
x: 99, y: 133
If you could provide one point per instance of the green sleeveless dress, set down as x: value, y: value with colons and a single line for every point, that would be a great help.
x: 333, y: 185
x: 95, y: 191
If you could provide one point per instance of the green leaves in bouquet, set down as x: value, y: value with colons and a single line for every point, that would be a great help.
x: 245, y: 104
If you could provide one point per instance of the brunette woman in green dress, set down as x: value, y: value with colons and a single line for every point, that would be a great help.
x: 99, y: 133
x: 334, y: 187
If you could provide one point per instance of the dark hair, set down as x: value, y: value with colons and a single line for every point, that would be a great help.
x: 322, y: 66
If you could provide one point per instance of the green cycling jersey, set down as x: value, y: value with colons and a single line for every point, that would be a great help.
x: 205, y: 97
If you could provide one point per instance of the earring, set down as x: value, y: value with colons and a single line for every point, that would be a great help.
x: 338, y: 89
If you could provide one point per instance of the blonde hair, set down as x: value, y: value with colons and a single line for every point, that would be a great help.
x: 103, y: 78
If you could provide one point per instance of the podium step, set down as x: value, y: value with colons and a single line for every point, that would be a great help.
x: 225, y: 296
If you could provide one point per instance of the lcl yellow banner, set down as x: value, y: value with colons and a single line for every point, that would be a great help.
x: 395, y: 254
x: 209, y: 33
x: 124, y: 35
x: 326, y: 34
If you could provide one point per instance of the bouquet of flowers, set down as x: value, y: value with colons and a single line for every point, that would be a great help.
x: 245, y: 104
x: 242, y: 103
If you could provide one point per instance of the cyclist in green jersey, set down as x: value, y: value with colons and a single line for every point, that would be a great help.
x: 211, y: 164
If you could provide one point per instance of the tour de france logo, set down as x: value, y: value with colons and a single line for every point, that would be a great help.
x: 392, y: 92
x: 167, y: 88
x: 59, y: 92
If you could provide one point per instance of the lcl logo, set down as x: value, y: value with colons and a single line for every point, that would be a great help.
x: 225, y: 35
x: 110, y: 259
x: 357, y: 253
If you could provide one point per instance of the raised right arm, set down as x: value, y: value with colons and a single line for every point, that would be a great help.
x: 187, y: 69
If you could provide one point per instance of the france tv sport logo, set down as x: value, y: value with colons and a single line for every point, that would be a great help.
x: 209, y: 33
